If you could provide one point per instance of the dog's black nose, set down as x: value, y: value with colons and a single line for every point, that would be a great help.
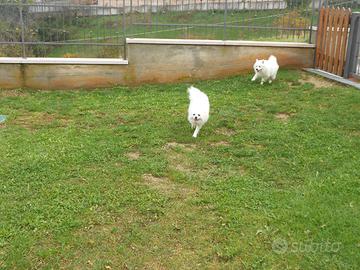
x: 195, y: 117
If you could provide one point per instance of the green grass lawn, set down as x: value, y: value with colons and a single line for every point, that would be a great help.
x: 112, y: 179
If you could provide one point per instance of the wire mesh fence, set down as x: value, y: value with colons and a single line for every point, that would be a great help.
x: 98, y: 28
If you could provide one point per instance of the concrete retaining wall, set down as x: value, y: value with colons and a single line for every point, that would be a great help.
x: 152, y: 61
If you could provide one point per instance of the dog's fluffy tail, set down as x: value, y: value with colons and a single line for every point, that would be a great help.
x: 195, y: 93
x: 272, y: 59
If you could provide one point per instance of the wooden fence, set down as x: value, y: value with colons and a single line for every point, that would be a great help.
x: 331, y: 40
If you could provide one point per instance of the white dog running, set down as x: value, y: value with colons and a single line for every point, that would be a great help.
x: 266, y: 69
x: 199, y: 108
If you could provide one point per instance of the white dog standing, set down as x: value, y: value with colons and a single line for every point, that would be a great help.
x: 266, y: 69
x: 199, y: 108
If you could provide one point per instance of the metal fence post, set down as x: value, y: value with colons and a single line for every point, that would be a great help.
x: 131, y: 12
x: 225, y: 17
x: 124, y: 27
x: 317, y: 31
x: 312, y: 20
x: 22, y: 29
x: 352, y: 47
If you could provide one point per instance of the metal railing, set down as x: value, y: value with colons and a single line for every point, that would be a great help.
x: 98, y: 28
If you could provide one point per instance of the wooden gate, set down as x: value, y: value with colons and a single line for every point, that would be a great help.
x: 332, y: 35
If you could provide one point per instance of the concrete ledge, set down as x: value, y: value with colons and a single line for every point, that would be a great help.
x: 63, y: 61
x: 333, y: 77
x: 218, y: 42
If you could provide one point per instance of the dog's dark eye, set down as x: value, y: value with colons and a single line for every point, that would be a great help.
x: 198, y: 114
x: 193, y: 114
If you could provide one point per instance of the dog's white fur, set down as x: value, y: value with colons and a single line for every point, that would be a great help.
x: 199, y: 108
x: 266, y: 69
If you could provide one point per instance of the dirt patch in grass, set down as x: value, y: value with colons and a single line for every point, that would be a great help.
x: 324, y: 106
x: 159, y: 182
x: 12, y: 93
x: 33, y: 120
x: 180, y: 231
x: 220, y: 143
x: 241, y: 170
x: 283, y: 116
x: 182, y: 168
x: 106, y: 235
x: 179, y: 162
x: 256, y: 145
x: 167, y: 187
x: 176, y: 155
x: 226, y: 131
x: 317, y: 81
x: 353, y: 133
x: 215, y: 171
x: 119, y: 164
x: 174, y: 145
x: 120, y: 121
x: 98, y: 114
x: 133, y: 155
x: 189, y: 228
